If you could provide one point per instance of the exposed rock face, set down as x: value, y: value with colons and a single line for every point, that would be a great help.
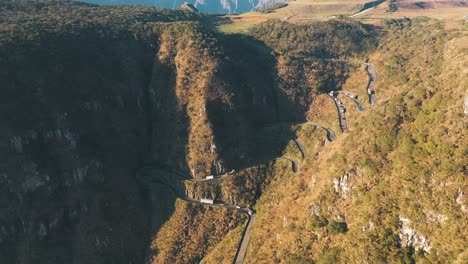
x: 410, y: 238
x: 461, y: 201
x: 188, y: 7
x: 314, y: 209
x: 67, y: 162
x: 435, y: 217
x: 74, y: 130
x: 85, y: 106
x: 342, y: 186
x: 368, y: 227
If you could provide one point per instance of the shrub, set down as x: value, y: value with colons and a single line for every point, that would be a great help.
x: 318, y: 222
x: 337, y: 227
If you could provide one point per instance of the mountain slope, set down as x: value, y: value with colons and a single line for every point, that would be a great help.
x: 208, y: 6
x: 392, y: 189
x: 108, y: 113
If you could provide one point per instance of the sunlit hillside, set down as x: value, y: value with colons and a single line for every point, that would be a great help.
x: 305, y: 132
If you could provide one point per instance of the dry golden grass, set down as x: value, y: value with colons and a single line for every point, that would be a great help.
x: 296, y: 12
x: 434, y: 9
x: 225, y: 251
x: 284, y: 217
x: 303, y: 11
x: 324, y: 112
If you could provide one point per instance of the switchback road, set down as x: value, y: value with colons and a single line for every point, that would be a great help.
x: 294, y: 163
x: 213, y: 177
x: 370, y: 86
x: 147, y: 177
x: 341, y: 110
x: 354, y: 98
x: 330, y: 134
x: 301, y: 147
x: 297, y: 141
x: 242, y: 249
x: 155, y: 175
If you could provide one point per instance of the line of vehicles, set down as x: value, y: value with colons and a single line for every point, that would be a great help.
x: 341, y: 109
x: 212, y: 202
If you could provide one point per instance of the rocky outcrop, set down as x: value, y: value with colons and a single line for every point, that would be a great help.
x: 460, y: 200
x: 342, y: 186
x: 465, y: 108
x: 410, y: 238
x: 188, y: 7
x: 84, y: 106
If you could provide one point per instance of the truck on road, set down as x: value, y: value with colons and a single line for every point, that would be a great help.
x: 206, y: 201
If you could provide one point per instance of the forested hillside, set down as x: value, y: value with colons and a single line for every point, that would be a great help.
x: 118, y: 120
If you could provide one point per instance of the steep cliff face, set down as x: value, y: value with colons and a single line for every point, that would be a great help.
x: 206, y: 100
x: 85, y: 103
x: 71, y: 143
x: 74, y: 128
x: 89, y: 96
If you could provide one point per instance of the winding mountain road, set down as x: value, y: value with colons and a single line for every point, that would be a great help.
x: 294, y: 162
x: 331, y: 136
x: 370, y: 86
x: 176, y: 184
x: 244, y: 244
x: 148, y: 178
x: 354, y: 98
x: 296, y: 141
x: 301, y: 147
x: 341, y: 110
x: 212, y: 177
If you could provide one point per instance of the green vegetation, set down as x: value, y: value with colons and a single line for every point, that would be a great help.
x: 392, y: 6
x: 318, y: 222
x: 337, y: 227
x: 398, y: 157
x: 131, y: 85
x: 320, y: 40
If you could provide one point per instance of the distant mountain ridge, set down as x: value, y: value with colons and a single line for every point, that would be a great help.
x: 208, y: 6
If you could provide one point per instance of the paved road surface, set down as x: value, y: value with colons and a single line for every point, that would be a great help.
x: 297, y: 141
x: 147, y: 177
x: 355, y: 99
x: 370, y: 86
x: 301, y: 147
x: 294, y: 163
x: 213, y: 177
x: 242, y: 249
x: 147, y: 174
x: 341, y: 110
x: 330, y: 134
